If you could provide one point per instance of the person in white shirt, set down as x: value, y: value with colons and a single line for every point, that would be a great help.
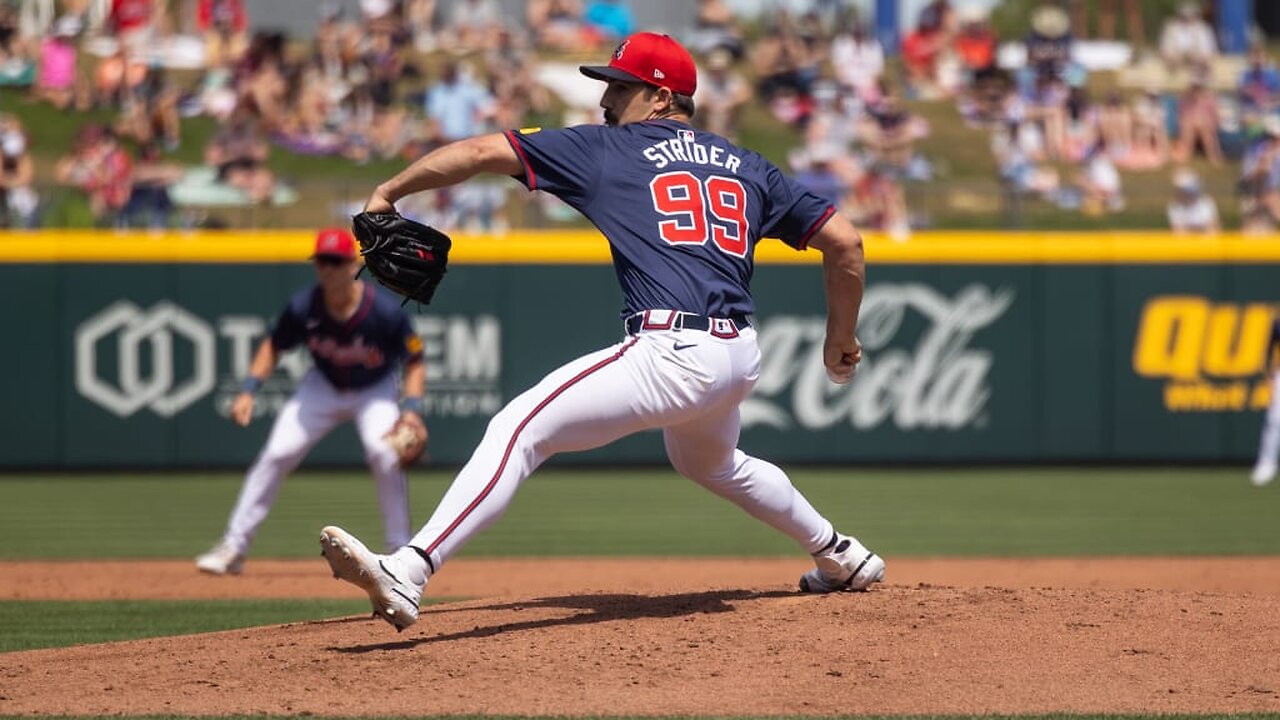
x: 1100, y: 182
x: 1187, y: 41
x: 1191, y: 211
x: 858, y: 61
x: 475, y: 23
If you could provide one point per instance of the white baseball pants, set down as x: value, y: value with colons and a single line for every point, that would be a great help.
x: 687, y: 382
x: 1269, y: 443
x: 315, y: 409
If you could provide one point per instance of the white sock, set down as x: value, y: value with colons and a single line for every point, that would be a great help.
x: 410, y: 559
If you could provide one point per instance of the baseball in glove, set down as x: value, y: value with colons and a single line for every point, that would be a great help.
x: 408, y: 437
x: 406, y: 256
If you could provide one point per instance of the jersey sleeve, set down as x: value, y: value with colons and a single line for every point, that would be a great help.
x: 566, y: 163
x: 290, y: 329
x: 408, y: 344
x: 792, y: 213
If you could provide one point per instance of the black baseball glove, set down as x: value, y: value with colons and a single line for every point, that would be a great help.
x: 406, y: 256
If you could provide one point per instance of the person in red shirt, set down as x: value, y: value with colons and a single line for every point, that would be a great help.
x: 976, y: 44
x: 920, y: 50
x: 110, y: 187
x: 130, y: 21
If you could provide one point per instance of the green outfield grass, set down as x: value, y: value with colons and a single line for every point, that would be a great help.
x: 998, y: 512
x: 26, y: 625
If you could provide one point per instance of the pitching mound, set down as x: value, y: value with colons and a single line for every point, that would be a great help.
x: 759, y: 649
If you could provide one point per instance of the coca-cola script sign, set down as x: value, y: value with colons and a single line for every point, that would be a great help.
x: 930, y: 380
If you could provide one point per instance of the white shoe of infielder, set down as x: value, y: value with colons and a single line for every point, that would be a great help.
x: 1263, y: 474
x: 223, y: 559
x: 394, y: 587
x: 846, y: 566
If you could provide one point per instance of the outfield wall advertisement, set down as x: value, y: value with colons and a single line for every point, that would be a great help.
x: 132, y: 361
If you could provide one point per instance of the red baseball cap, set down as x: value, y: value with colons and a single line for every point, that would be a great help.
x: 335, y: 242
x: 649, y: 58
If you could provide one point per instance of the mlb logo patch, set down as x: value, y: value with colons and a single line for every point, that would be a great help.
x: 685, y: 135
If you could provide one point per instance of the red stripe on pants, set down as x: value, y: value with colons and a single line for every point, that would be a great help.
x: 488, y: 488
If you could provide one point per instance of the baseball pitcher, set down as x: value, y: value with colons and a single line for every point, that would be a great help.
x: 356, y: 337
x: 682, y: 210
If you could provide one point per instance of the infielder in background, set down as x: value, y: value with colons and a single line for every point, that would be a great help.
x: 682, y: 210
x: 1264, y: 471
x: 356, y: 336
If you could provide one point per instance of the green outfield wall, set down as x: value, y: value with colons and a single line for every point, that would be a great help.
x: 126, y: 350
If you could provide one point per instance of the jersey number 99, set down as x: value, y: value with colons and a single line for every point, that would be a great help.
x: 714, y: 209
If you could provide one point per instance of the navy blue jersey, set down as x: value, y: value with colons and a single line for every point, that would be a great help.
x: 682, y: 209
x: 355, y: 353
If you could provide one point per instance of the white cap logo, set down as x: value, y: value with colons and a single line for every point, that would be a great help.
x: 658, y: 74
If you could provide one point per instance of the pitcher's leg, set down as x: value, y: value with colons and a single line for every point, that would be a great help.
x: 302, y: 422
x: 704, y: 450
x: 374, y: 418
x: 585, y: 404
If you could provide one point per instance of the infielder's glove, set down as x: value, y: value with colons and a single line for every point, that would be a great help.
x: 408, y: 437
x: 406, y: 256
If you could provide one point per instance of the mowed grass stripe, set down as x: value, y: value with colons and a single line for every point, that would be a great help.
x: 636, y: 512
x: 27, y: 625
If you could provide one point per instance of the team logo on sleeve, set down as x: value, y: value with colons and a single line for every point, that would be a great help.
x: 413, y: 344
x: 529, y: 130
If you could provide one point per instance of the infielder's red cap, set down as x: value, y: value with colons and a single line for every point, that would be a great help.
x: 650, y: 58
x: 335, y: 242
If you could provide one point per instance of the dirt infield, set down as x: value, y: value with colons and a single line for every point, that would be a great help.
x: 699, y: 637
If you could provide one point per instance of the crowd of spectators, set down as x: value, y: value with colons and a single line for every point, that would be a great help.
x: 400, y: 77
x: 1057, y: 139
x: 823, y: 74
x: 364, y: 86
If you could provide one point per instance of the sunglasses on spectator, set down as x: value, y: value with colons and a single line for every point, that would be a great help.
x: 331, y: 260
